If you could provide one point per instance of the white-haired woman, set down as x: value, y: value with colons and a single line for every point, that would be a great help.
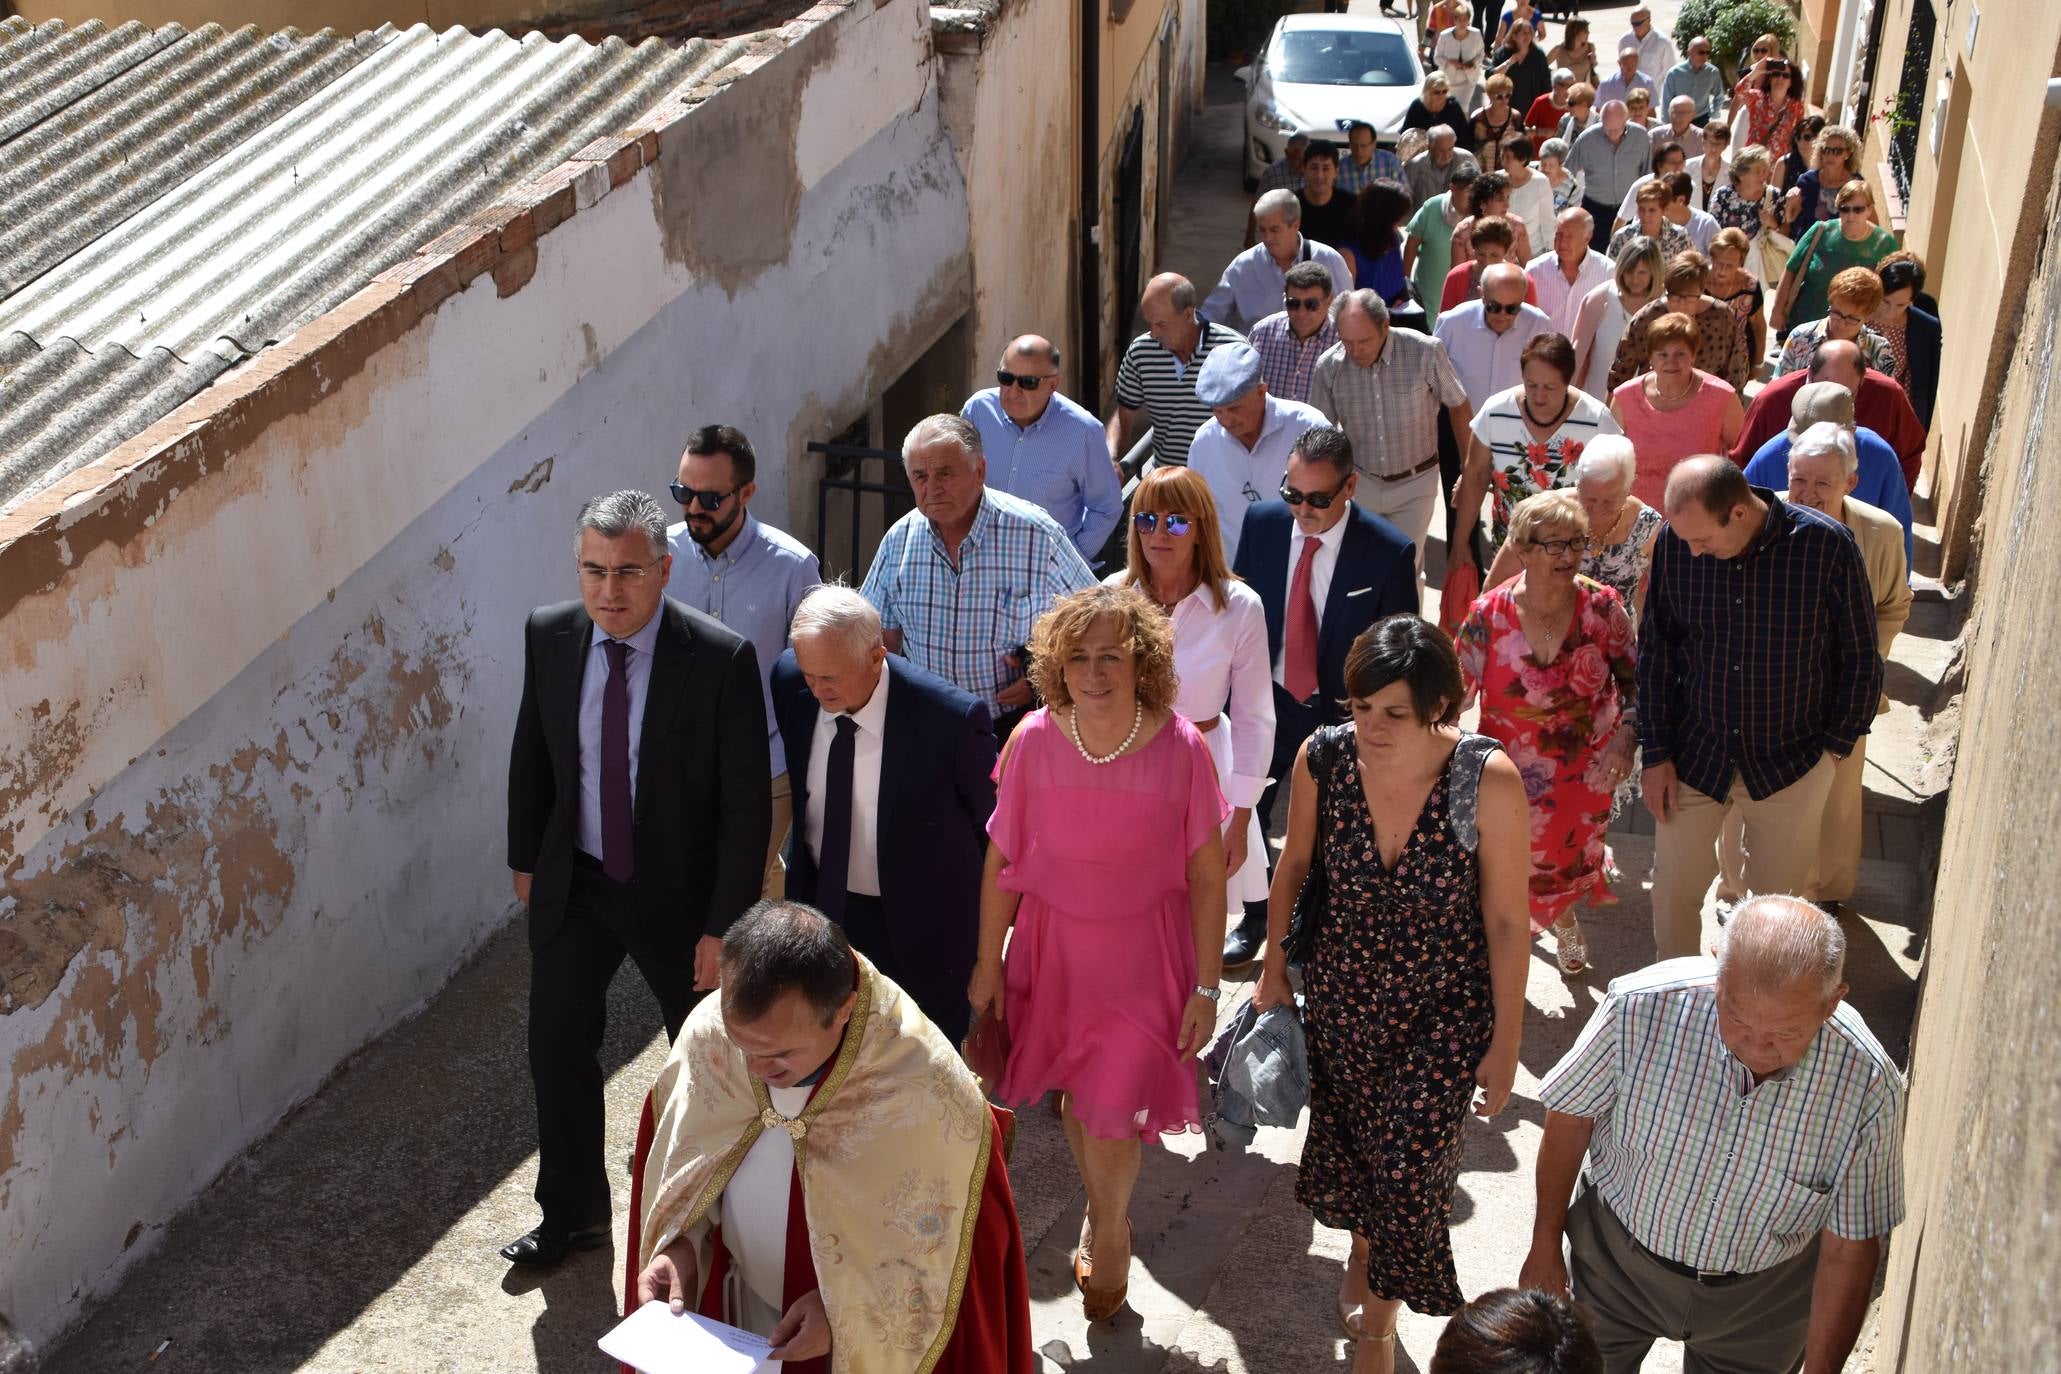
x: 1622, y: 528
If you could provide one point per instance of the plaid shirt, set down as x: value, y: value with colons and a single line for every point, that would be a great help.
x: 1389, y: 410
x: 1757, y: 665
x: 1286, y: 361
x: 1704, y: 1167
x: 1355, y: 178
x: 1279, y: 176
x: 963, y: 623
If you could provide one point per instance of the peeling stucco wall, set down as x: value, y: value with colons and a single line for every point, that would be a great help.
x: 253, y: 743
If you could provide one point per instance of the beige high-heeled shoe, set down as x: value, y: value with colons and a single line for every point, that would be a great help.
x: 1100, y: 1304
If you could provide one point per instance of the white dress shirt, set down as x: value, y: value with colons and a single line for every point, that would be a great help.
x: 862, y: 871
x: 1562, y: 302
x: 1253, y: 284
x: 1239, y: 476
x: 593, y: 682
x: 1220, y: 657
x: 1487, y: 361
x: 1656, y: 54
x: 1321, y: 568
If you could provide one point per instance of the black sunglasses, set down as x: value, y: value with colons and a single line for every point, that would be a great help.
x: 708, y: 500
x: 1303, y: 303
x: 1148, y: 520
x: 1024, y: 381
x: 1318, y: 500
x: 1498, y: 308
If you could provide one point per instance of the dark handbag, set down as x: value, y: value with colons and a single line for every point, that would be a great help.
x: 987, y: 1048
x: 1310, y: 903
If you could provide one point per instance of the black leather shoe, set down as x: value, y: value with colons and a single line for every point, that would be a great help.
x: 544, y: 1248
x: 1242, y: 944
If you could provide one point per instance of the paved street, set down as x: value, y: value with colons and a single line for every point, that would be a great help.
x: 361, y: 1235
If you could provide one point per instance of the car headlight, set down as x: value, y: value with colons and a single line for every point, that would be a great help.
x: 1269, y: 117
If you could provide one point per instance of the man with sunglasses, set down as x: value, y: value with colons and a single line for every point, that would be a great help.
x: 1251, y: 286
x: 637, y: 815
x: 1046, y: 448
x: 729, y: 565
x: 1242, y: 450
x: 1325, y: 570
x: 1655, y: 49
x: 1290, y: 340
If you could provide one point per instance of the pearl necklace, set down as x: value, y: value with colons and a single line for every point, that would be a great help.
x: 1073, y: 726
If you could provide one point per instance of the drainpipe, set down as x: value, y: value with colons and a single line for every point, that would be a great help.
x: 2054, y: 94
x: 1088, y: 388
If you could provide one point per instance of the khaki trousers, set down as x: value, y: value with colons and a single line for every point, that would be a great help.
x: 775, y: 884
x: 1408, y: 505
x: 1780, y: 839
x: 1838, y: 865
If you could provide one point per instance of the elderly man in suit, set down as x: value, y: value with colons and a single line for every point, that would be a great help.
x: 639, y: 806
x: 893, y: 854
x: 1326, y: 569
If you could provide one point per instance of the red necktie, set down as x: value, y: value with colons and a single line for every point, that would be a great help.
x: 1299, y: 660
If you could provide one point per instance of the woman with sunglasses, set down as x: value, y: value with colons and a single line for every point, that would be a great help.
x: 1855, y: 296
x: 1815, y: 196
x: 1765, y: 108
x: 1220, y: 655
x: 1827, y: 249
x: 1550, y: 655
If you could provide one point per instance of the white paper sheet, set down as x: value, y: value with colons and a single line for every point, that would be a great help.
x: 655, y: 1341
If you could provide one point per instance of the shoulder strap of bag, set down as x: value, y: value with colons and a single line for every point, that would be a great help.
x: 1463, y: 787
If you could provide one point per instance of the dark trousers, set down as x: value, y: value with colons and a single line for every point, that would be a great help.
x: 1487, y: 15
x: 1604, y: 216
x: 939, y: 987
x: 1294, y: 722
x: 569, y: 980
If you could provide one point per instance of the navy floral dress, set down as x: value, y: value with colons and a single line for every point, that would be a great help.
x: 1397, y: 1013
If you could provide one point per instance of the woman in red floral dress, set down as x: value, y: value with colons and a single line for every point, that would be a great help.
x: 1550, y: 656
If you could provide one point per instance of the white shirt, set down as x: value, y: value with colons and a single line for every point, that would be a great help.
x: 1487, y: 361
x: 1533, y: 203
x: 1253, y: 284
x: 753, y: 1208
x: 1321, y: 568
x: 1656, y: 54
x: 1694, y: 167
x: 1239, y: 476
x: 1700, y: 228
x: 862, y: 870
x: 1562, y: 302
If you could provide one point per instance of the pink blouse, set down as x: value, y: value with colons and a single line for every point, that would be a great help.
x: 1663, y: 438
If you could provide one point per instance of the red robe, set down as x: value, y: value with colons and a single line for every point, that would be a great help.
x: 993, y: 1331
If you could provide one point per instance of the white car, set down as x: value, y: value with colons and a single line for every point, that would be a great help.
x: 1317, y: 73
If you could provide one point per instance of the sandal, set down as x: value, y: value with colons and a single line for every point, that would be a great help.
x: 1098, y: 1304
x: 1569, y: 948
x: 1349, y: 1322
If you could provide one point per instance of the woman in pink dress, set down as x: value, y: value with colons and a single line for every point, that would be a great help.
x: 1676, y: 411
x: 1550, y: 656
x: 1108, y: 861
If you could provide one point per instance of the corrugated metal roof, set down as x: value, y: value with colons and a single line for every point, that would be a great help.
x: 177, y: 200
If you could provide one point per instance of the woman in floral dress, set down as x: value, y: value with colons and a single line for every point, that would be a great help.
x: 1527, y: 439
x: 1550, y: 656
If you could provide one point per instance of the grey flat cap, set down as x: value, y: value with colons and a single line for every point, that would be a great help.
x: 1815, y: 402
x: 1227, y: 373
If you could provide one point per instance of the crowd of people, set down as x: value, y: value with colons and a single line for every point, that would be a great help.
x: 988, y: 829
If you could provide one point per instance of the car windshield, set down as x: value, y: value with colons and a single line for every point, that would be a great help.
x: 1342, y: 57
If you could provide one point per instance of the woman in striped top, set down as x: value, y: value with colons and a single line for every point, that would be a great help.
x: 1527, y: 439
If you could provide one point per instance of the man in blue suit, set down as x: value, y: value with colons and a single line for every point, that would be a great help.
x: 1325, y: 569
x: 891, y: 853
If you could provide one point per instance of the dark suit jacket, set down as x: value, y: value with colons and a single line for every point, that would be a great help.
x: 704, y: 786
x: 1376, y: 577
x: 1923, y: 341
x: 936, y: 792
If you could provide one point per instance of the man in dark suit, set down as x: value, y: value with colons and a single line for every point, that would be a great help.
x: 639, y: 805
x: 1325, y: 569
x: 892, y: 789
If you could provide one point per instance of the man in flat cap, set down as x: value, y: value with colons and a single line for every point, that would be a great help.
x: 1242, y: 449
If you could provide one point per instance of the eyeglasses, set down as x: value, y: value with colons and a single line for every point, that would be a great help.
x: 1844, y: 318
x: 1147, y: 521
x: 1556, y: 547
x: 1318, y: 500
x: 1498, y: 308
x: 1303, y: 302
x: 1853, y: 209
x: 1024, y: 381
x: 688, y: 497
x: 631, y: 573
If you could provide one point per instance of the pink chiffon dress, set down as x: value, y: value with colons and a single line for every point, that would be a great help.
x: 1101, y: 961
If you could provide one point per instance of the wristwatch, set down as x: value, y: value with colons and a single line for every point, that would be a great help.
x: 1211, y: 993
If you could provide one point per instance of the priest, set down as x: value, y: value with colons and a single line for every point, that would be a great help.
x: 824, y: 1171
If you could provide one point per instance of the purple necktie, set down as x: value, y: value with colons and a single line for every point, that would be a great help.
x: 833, y: 864
x: 618, y: 856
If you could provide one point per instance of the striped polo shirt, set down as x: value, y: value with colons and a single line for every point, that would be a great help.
x: 1703, y: 1167
x: 1152, y: 379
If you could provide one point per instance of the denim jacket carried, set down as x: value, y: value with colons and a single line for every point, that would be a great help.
x: 1259, y: 1074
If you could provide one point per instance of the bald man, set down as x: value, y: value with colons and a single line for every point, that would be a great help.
x: 1156, y: 379
x: 1046, y: 448
x: 1485, y: 338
